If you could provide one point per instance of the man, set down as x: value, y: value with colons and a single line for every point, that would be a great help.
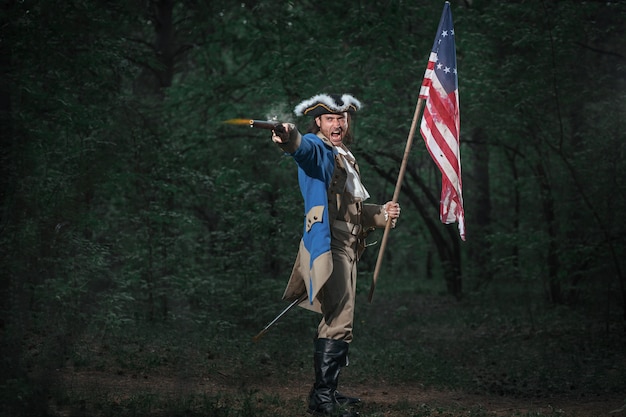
x: 336, y: 222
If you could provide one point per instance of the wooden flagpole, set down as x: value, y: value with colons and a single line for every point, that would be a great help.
x: 396, y: 194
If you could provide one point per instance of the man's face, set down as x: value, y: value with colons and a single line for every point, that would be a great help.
x: 333, y: 126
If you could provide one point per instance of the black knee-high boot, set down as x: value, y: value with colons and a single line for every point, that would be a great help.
x: 329, y: 356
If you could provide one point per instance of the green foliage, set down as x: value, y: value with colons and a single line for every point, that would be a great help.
x: 126, y: 202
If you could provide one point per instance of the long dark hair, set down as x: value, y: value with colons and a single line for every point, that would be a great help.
x: 347, y: 140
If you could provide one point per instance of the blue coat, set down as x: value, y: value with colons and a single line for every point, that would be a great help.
x: 315, y: 157
x: 317, y: 162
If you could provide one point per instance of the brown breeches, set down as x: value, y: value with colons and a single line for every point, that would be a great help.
x: 337, y: 297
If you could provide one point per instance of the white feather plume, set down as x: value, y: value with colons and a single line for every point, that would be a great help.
x: 328, y: 101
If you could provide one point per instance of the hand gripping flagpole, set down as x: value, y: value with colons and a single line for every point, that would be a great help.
x: 396, y: 194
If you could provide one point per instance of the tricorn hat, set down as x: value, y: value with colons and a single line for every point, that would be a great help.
x: 327, y: 103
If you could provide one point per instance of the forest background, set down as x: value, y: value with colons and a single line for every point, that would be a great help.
x: 139, y: 233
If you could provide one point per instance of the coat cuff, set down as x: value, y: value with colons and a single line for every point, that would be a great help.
x: 295, y: 138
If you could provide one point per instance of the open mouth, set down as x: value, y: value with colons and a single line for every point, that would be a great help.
x: 335, y: 134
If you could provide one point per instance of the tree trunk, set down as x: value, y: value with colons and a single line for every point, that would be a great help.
x: 480, y: 249
x: 552, y: 258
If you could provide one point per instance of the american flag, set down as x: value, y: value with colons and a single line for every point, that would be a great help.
x: 440, y: 124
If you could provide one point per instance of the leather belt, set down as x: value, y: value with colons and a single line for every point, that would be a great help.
x: 353, y: 229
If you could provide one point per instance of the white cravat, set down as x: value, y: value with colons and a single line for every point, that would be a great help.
x: 353, y: 184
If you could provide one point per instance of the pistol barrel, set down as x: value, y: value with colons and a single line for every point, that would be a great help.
x: 262, y: 124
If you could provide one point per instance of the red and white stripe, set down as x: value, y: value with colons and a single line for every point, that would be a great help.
x: 440, y: 129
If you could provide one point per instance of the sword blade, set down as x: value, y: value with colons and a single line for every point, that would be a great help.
x: 280, y: 315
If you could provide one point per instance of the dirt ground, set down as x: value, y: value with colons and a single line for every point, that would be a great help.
x: 378, y: 398
x: 221, y: 385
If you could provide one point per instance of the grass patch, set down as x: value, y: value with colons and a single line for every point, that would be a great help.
x: 413, y: 355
